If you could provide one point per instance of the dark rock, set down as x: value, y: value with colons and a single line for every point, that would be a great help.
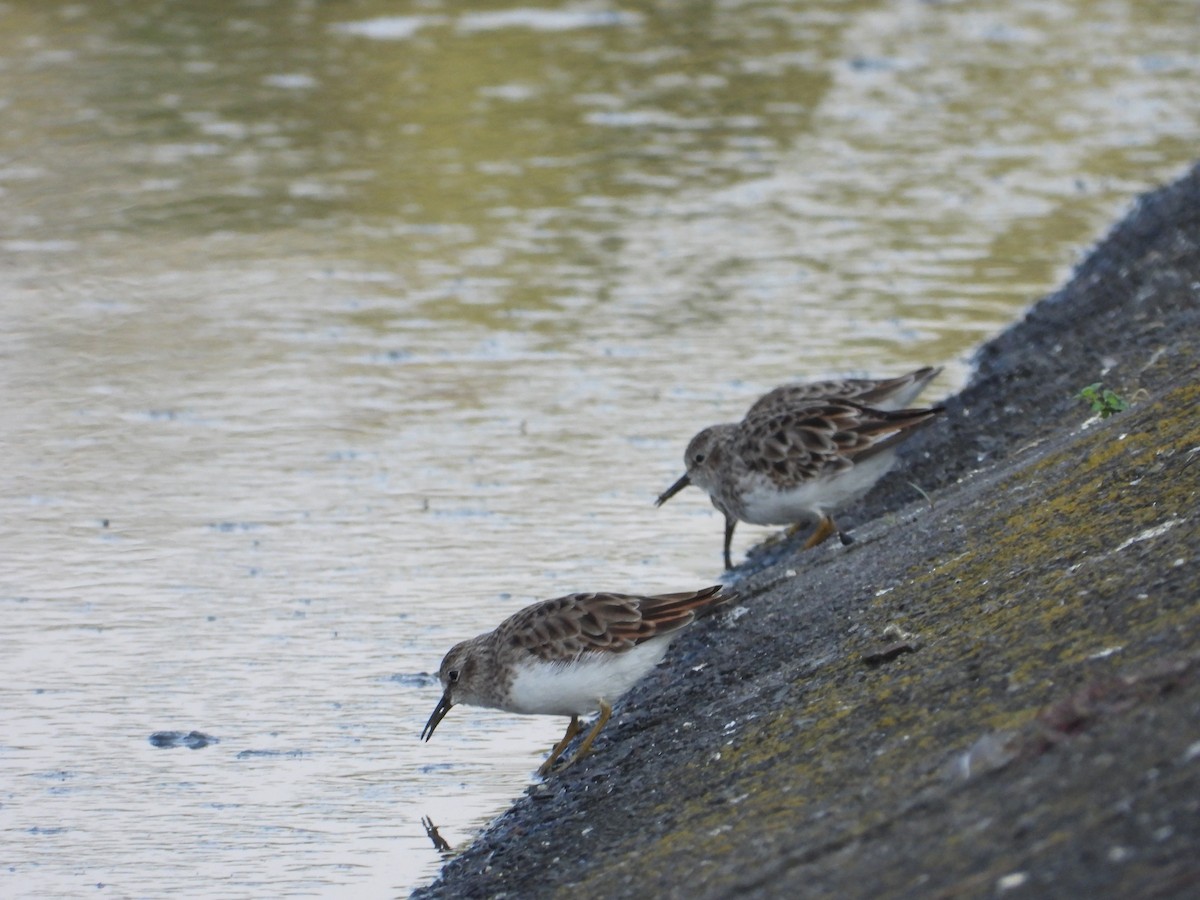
x: 1045, y: 735
x: 193, y: 740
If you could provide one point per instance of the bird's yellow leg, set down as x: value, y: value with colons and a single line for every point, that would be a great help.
x: 572, y: 729
x: 601, y: 721
x: 825, y: 528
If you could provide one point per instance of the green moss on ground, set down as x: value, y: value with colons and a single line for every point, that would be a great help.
x: 1062, y: 586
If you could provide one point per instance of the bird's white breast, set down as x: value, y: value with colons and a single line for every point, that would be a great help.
x: 765, y: 504
x: 575, y: 689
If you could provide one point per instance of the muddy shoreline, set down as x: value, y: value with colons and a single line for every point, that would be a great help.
x: 995, y: 690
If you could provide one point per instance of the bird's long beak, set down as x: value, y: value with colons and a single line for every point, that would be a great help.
x: 439, y: 713
x: 673, y: 490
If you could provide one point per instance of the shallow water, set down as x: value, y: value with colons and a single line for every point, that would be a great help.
x: 334, y: 333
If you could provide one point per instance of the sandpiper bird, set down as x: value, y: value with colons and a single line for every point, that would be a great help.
x: 568, y: 657
x: 800, y: 454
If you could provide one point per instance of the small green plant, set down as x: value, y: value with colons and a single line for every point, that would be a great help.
x: 1104, y: 401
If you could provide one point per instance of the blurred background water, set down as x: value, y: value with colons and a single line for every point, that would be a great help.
x: 334, y: 332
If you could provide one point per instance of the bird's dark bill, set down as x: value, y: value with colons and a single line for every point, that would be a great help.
x: 439, y: 713
x: 673, y: 490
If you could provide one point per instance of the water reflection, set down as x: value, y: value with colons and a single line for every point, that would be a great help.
x: 335, y: 333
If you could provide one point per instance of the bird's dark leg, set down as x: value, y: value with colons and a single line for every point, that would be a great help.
x: 730, y: 524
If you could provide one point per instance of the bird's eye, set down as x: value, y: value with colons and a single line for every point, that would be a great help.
x: 452, y: 676
x: 698, y: 458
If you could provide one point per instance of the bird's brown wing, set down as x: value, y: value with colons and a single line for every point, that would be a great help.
x: 604, y: 621
x: 822, y: 438
x: 865, y: 391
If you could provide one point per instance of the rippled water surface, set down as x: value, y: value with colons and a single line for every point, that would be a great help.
x: 332, y: 333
